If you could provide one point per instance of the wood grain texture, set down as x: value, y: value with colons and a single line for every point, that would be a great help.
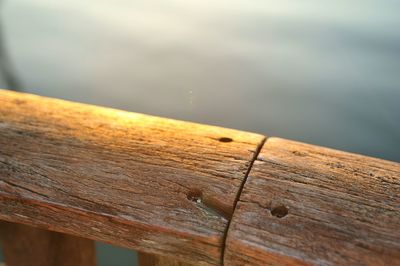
x: 28, y: 246
x: 155, y: 260
x: 156, y: 185
x: 304, y: 204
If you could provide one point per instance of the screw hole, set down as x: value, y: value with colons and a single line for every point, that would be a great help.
x: 279, y: 211
x: 194, y: 195
x: 224, y: 139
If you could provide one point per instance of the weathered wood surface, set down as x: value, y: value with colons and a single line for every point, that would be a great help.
x: 304, y: 204
x: 169, y: 188
x: 28, y: 246
x: 156, y: 185
x: 154, y: 260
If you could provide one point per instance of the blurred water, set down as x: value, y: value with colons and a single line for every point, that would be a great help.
x: 112, y: 256
x: 323, y: 72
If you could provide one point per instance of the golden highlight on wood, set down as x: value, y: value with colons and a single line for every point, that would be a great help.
x: 119, y: 177
x: 185, y: 194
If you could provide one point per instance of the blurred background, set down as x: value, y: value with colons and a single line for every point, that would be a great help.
x: 322, y: 72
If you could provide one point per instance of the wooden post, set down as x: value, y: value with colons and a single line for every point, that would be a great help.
x: 29, y: 246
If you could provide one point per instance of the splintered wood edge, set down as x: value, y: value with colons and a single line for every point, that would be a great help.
x: 156, y: 185
x: 303, y: 204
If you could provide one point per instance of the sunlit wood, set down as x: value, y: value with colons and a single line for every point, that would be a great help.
x: 119, y: 177
x: 182, y: 193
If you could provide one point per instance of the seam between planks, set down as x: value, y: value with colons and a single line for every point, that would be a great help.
x: 256, y: 153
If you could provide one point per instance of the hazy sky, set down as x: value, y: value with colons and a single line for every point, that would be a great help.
x: 317, y: 71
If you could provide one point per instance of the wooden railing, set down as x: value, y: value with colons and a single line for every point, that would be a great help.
x: 182, y: 193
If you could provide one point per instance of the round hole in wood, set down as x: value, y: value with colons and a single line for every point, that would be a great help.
x: 225, y: 139
x: 279, y: 211
x: 194, y: 195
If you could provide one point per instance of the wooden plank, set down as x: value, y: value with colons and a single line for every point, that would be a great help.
x: 304, y: 204
x: 156, y: 185
x: 29, y: 246
x: 154, y: 260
